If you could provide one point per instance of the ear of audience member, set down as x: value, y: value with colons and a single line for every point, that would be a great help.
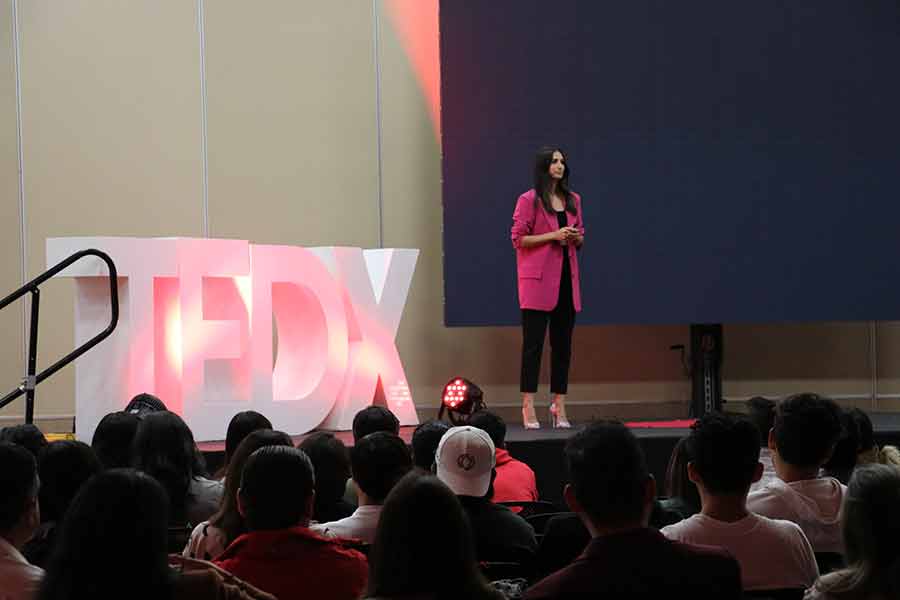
x: 372, y: 419
x: 843, y: 459
x: 210, y: 538
x: 112, y: 544
x: 113, y: 439
x: 424, y: 546
x: 682, y: 496
x: 241, y: 425
x: 164, y: 448
x: 515, y: 481
x: 871, y: 530
x: 773, y: 554
x: 279, y: 554
x: 331, y: 462
x: 26, y: 435
x: 425, y: 440
x: 613, y: 492
x: 761, y: 412
x: 20, y: 516
x: 64, y: 467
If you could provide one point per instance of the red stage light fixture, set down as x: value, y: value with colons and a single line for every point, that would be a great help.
x: 460, y: 399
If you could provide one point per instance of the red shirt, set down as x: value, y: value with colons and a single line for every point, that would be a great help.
x: 296, y: 563
x: 515, y: 480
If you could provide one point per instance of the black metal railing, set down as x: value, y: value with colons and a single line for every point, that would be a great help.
x: 32, y: 379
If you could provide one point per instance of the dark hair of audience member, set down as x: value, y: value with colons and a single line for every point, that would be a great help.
x: 725, y: 452
x: 424, y: 545
x: 277, y: 487
x: 372, y: 419
x: 679, y: 488
x: 164, y: 449
x: 26, y: 435
x: 864, y: 427
x: 425, y: 440
x: 608, y: 473
x: 871, y: 531
x: 491, y: 424
x: 64, y: 466
x: 843, y: 458
x: 18, y: 483
x: 807, y: 426
x: 331, y: 463
x: 761, y: 412
x: 378, y: 461
x: 240, y: 426
x: 113, y: 439
x: 228, y: 518
x: 112, y: 542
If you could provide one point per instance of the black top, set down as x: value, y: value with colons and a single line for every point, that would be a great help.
x: 500, y: 534
x: 565, y: 280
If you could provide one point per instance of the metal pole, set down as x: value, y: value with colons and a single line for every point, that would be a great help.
x: 32, y: 356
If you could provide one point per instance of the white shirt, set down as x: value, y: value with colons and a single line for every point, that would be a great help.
x: 773, y: 554
x: 19, y: 579
x: 206, y: 542
x: 360, y: 525
x: 813, y: 504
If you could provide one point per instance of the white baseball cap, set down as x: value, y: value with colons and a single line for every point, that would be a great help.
x: 465, y: 458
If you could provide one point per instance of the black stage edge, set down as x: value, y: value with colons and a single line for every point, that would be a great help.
x: 542, y: 449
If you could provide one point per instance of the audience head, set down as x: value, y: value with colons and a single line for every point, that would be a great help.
x: 277, y: 489
x: 378, y: 461
x: 492, y: 424
x: 26, y: 435
x: 424, y: 544
x: 112, y: 541
x: 113, y: 439
x: 372, y: 419
x: 864, y: 427
x: 144, y: 404
x: 331, y: 464
x: 240, y: 426
x: 228, y: 517
x: 465, y: 461
x: 678, y: 483
x: 164, y: 449
x: 762, y: 414
x: 64, y: 467
x: 610, y: 484
x: 843, y: 459
x: 425, y: 440
x: 20, y: 512
x: 807, y: 426
x: 724, y: 453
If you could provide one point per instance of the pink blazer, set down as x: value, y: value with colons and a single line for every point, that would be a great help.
x: 540, y: 267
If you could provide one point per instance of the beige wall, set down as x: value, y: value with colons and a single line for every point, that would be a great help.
x: 113, y: 138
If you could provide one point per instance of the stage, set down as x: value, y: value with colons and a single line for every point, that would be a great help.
x: 542, y: 449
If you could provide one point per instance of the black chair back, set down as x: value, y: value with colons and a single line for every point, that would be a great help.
x: 779, y: 594
x: 535, y: 507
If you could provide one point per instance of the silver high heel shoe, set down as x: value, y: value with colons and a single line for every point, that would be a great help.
x: 557, y: 421
x: 532, y: 422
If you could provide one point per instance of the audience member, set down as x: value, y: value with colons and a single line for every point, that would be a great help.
x: 612, y: 491
x: 112, y: 544
x: 20, y: 516
x: 26, y: 435
x: 682, y: 496
x: 515, y: 481
x: 369, y: 420
x: 871, y: 530
x: 869, y: 452
x: 761, y: 412
x: 378, y: 461
x: 210, y: 538
x: 63, y: 468
x: 773, y: 554
x: 843, y: 459
x: 807, y: 426
x: 114, y: 438
x: 424, y: 546
x: 279, y: 553
x: 425, y: 440
x: 465, y: 463
x: 164, y: 449
x: 331, y: 462
x: 241, y: 425
x: 144, y: 404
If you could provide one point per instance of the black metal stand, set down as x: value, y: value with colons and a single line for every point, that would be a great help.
x: 706, y: 368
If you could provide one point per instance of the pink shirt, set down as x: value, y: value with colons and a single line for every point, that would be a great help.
x: 540, y: 267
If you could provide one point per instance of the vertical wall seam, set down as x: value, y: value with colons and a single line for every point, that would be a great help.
x: 378, y: 113
x: 873, y: 359
x: 204, y: 153
x: 23, y: 246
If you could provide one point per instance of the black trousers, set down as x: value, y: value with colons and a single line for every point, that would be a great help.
x: 534, y: 327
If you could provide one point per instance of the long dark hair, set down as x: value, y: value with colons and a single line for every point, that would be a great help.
x: 423, y: 535
x: 543, y: 181
x: 228, y: 519
x: 678, y: 484
x: 112, y: 539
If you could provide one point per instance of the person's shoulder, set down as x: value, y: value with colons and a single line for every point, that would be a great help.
x: 527, y: 196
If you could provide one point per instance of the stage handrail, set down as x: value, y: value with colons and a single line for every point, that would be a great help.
x: 32, y: 379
